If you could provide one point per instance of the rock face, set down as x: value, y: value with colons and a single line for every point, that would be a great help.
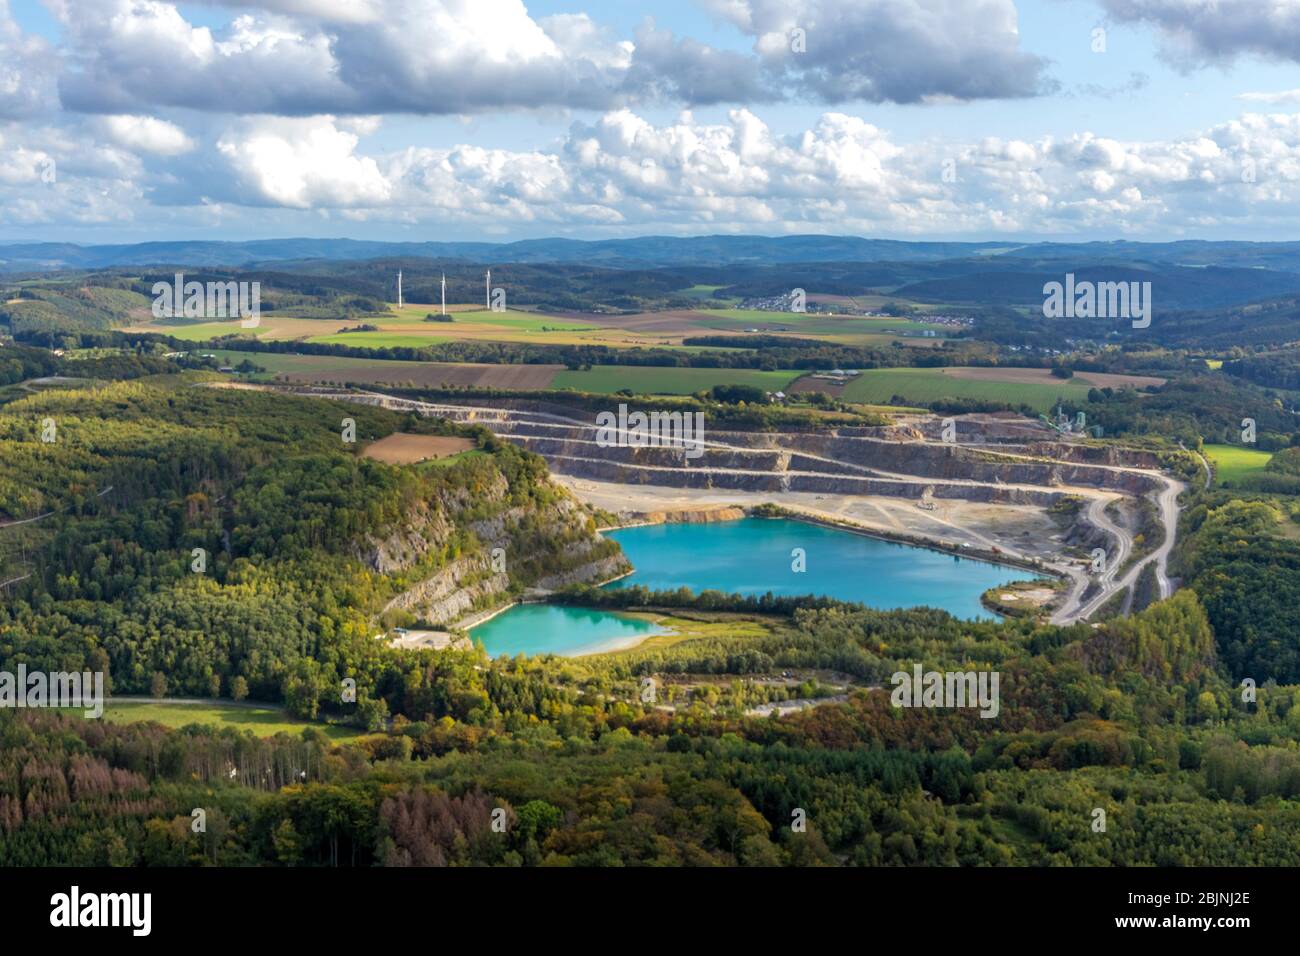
x: 428, y: 528
x: 603, y: 569
x: 454, y: 591
x: 704, y: 515
x: 489, y: 558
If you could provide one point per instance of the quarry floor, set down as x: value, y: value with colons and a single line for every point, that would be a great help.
x: 1021, y: 530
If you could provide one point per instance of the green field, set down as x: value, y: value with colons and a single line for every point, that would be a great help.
x: 507, y: 319
x: 1232, y: 462
x: 708, y: 292
x: 261, y: 721
x: 284, y: 362
x: 650, y: 380
x: 203, y: 331
x: 451, y: 459
x: 924, y: 385
x: 381, y: 340
x: 408, y: 327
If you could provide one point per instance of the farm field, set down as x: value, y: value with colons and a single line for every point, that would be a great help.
x: 601, y: 379
x: 1232, y: 462
x: 1044, y: 376
x: 310, y: 369
x: 669, y: 329
x: 651, y: 380
x: 261, y: 721
x: 708, y: 292
x: 811, y: 321
x: 408, y: 328
x: 405, y: 327
x: 270, y: 328
x: 400, y: 448
x: 922, y: 385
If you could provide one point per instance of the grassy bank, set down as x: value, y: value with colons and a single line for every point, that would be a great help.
x: 262, y: 721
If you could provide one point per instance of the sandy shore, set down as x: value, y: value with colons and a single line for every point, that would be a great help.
x: 1016, y: 531
x: 481, y: 617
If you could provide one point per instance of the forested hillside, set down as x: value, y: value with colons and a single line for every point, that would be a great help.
x: 1133, y: 720
x: 304, y: 540
x: 308, y: 541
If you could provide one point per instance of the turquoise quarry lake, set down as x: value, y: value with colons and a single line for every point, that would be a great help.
x: 751, y: 556
x: 556, y: 629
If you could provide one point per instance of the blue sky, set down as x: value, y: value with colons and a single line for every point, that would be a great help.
x: 250, y: 118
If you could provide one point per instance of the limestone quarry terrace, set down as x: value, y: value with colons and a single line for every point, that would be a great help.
x: 1006, y: 488
x: 992, y: 459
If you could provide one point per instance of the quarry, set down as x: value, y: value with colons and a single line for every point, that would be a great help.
x: 1005, y: 488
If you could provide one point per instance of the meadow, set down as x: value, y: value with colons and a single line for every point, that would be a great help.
x: 924, y: 385
x: 261, y: 721
x: 654, y: 380
x: 1232, y: 462
x: 409, y: 327
x: 600, y: 379
x: 330, y: 369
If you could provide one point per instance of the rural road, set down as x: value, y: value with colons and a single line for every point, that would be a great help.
x: 1072, y: 610
x: 1167, y: 501
x: 15, y: 524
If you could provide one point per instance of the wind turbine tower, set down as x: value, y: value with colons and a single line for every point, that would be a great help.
x: 399, y: 288
x: 444, y: 293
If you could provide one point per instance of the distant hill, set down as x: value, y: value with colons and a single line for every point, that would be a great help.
x: 1172, y: 286
x: 650, y: 252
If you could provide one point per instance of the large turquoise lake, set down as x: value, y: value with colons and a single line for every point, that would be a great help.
x: 751, y: 556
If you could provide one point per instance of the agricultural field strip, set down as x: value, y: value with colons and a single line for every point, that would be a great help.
x: 1232, y: 462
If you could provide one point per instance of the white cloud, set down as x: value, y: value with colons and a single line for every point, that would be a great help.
x: 902, y: 51
x: 310, y: 57
x: 148, y: 135
x: 53, y: 175
x: 279, y: 113
x: 1279, y: 96
x: 1197, y: 32
x: 28, y: 66
x: 842, y: 174
x: 134, y: 56
x: 333, y: 11
x: 303, y: 163
x: 582, y: 38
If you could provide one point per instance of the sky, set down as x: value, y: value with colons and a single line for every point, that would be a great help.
x: 140, y: 120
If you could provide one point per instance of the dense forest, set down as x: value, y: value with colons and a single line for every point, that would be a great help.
x: 300, y: 530
x: 1134, y: 720
x: 557, y: 761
